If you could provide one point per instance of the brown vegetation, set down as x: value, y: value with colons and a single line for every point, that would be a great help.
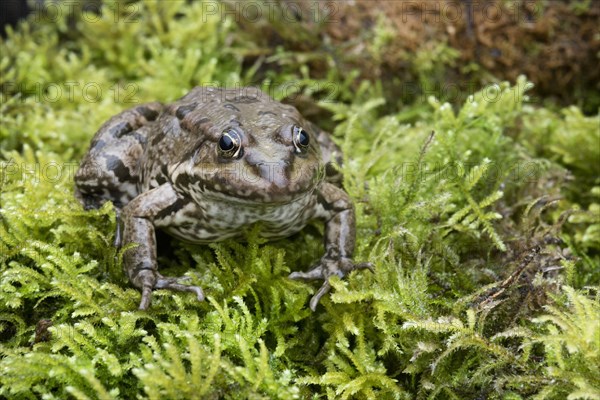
x: 556, y: 44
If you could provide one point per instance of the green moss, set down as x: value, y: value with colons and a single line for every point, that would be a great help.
x: 474, y: 217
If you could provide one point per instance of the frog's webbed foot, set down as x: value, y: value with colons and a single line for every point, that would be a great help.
x: 151, y: 280
x: 326, y: 268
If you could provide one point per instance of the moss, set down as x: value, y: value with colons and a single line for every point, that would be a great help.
x: 481, y: 220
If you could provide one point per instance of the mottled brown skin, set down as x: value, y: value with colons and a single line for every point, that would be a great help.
x: 169, y: 167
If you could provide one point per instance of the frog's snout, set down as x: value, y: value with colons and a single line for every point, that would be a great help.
x: 273, y: 172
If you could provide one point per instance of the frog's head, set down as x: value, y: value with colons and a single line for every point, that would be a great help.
x: 250, y: 148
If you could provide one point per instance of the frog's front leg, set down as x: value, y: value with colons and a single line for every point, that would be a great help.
x: 140, y: 262
x: 335, y: 207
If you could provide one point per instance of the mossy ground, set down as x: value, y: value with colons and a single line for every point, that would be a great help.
x: 481, y: 218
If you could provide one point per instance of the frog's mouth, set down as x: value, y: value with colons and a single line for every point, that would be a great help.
x: 260, y: 190
x: 255, y: 201
x: 256, y: 185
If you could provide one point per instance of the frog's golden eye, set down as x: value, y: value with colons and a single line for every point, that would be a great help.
x: 301, y: 138
x: 230, y: 144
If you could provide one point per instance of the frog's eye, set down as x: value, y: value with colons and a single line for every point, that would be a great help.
x: 301, y: 139
x: 230, y: 144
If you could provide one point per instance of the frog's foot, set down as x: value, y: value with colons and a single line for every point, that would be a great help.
x: 326, y: 268
x: 150, y: 281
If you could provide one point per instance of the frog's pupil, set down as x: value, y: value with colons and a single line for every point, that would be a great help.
x: 226, y: 143
x: 303, y: 138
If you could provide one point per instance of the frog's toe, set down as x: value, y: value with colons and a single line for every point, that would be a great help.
x: 326, y: 268
x: 145, y: 280
x: 315, y: 273
x: 314, y: 301
x: 174, y: 283
x: 318, y: 272
x: 150, y: 282
x: 364, y: 265
x: 146, y: 298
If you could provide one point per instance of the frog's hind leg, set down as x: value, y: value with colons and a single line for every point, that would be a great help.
x: 109, y: 170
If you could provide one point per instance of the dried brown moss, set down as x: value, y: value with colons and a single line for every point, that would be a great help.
x: 556, y: 44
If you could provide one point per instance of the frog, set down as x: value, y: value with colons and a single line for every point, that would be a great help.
x: 207, y: 167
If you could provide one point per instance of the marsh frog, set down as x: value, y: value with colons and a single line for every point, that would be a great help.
x: 208, y: 165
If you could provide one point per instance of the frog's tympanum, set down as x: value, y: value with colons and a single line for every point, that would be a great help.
x: 209, y: 165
